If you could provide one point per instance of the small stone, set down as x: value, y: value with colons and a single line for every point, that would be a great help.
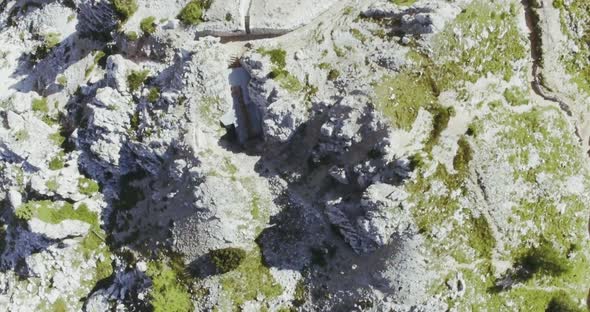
x: 141, y: 266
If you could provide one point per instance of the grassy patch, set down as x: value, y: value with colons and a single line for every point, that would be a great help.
x: 577, y: 13
x: 300, y: 293
x: 168, y: 294
x: 516, y: 96
x: 98, y: 56
x: 51, y: 212
x: 494, y: 53
x: 287, y: 81
x: 278, y: 58
x: 134, y: 123
x: 541, y: 131
x: 435, y: 209
x: 255, y: 207
x: 250, y: 280
x: 562, y: 302
x: 481, y: 238
x: 399, y: 98
x: 440, y: 120
x: 357, y: 34
x: 338, y: 51
x: 463, y: 158
x: 56, y: 212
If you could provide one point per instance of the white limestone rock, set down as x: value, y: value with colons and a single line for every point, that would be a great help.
x: 64, y: 229
x: 267, y: 16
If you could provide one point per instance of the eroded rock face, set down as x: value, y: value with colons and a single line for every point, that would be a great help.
x: 375, y: 156
x: 96, y: 17
x: 279, y: 17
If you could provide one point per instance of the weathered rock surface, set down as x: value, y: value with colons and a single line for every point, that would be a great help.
x: 310, y: 156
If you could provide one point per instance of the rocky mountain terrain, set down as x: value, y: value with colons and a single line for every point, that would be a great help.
x: 257, y: 155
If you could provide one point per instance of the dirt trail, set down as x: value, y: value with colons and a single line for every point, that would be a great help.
x: 536, y: 28
x: 536, y: 40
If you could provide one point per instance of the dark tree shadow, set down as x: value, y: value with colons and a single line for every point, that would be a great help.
x: 544, y: 260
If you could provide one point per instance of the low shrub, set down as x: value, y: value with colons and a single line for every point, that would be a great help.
x: 136, y: 78
x: 192, y: 13
x: 333, y: 74
x: 148, y: 25
x: 154, y: 94
x: 124, y: 8
x: 132, y: 36
x: 24, y: 212
x: 57, y: 162
x: 87, y: 186
x: 227, y: 259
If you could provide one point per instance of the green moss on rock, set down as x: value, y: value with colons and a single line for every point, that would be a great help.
x: 251, y: 280
x: 400, y: 97
x: 167, y: 294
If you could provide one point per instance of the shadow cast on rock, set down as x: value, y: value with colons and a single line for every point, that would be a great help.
x: 301, y: 238
x: 42, y: 74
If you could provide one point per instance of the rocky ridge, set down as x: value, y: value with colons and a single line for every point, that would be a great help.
x: 355, y: 155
